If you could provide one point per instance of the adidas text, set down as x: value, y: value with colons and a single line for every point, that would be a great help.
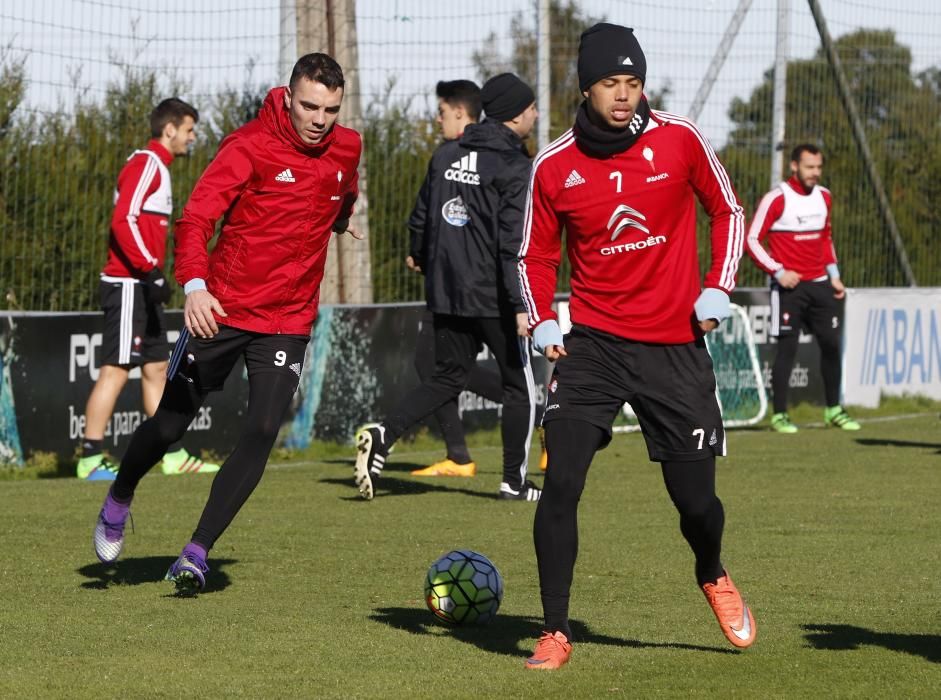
x: 574, y: 179
x: 285, y: 176
x: 464, y: 170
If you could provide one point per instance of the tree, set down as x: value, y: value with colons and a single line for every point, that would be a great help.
x: 58, y: 175
x: 901, y: 112
x: 398, y: 146
x: 567, y: 21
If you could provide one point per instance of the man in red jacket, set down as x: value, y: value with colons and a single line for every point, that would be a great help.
x: 623, y: 183
x: 806, y: 288
x: 133, y: 290
x: 285, y: 182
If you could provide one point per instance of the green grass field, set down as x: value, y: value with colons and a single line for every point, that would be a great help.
x: 832, y: 537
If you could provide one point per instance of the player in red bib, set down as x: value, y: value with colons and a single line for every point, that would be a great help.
x: 806, y: 289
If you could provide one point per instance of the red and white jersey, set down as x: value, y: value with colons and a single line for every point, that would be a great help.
x: 143, y: 202
x: 630, y: 225
x: 797, y: 226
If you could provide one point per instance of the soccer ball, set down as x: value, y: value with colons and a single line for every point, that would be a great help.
x: 463, y: 588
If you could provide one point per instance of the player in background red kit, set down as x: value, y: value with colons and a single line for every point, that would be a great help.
x: 133, y: 290
x: 806, y: 287
x: 623, y: 183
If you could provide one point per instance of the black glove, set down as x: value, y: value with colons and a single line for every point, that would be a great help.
x: 340, y: 225
x: 156, y: 287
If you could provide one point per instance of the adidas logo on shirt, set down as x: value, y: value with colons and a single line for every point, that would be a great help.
x: 574, y: 179
x: 464, y: 170
x: 285, y: 176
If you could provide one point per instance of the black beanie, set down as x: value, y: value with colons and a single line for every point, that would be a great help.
x: 505, y: 97
x: 609, y: 49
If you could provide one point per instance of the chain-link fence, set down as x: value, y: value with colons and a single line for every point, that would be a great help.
x: 78, y: 78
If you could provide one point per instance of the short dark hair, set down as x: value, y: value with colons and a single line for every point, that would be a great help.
x: 461, y: 93
x: 173, y: 110
x: 802, y: 148
x: 319, y: 68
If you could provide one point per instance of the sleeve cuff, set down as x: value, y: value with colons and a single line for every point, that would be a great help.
x: 778, y: 274
x: 833, y: 271
x: 547, y: 333
x: 195, y: 285
x: 712, y: 303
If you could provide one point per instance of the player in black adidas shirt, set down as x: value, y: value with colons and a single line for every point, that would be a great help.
x: 473, y: 194
x: 458, y: 106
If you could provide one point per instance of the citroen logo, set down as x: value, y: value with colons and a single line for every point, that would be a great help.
x: 626, y: 222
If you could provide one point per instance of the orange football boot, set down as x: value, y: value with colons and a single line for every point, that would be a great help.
x: 734, y: 616
x: 447, y: 467
x: 544, y: 457
x: 552, y: 651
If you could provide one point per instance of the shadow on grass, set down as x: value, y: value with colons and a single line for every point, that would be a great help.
x: 391, y: 486
x: 882, y: 442
x: 514, y: 635
x: 135, y: 571
x: 850, y: 637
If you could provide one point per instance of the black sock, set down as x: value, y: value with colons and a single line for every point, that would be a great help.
x: 269, y: 399
x: 90, y: 448
x: 178, y: 406
x: 831, y: 367
x: 691, y: 486
x: 781, y: 370
x: 571, y: 445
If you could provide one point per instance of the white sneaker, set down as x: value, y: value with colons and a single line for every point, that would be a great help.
x: 528, y: 492
x: 371, y: 454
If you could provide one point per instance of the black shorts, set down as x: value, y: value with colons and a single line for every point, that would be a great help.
x: 135, y: 332
x: 672, y: 389
x: 206, y: 362
x: 808, y: 306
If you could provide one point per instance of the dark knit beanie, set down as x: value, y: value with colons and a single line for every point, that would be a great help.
x: 505, y: 97
x: 609, y: 49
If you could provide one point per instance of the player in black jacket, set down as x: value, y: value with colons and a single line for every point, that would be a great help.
x: 473, y: 197
x: 458, y: 106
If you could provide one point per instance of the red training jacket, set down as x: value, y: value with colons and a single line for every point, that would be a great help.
x: 280, y: 198
x: 797, y: 226
x: 143, y: 202
x: 630, y: 223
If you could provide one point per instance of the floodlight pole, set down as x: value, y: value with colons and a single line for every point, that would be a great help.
x: 779, y: 108
x: 543, y: 94
x: 849, y: 104
x: 718, y: 59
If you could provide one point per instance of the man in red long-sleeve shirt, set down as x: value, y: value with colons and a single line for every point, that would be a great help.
x: 133, y: 289
x: 806, y: 287
x: 623, y: 184
x: 285, y: 183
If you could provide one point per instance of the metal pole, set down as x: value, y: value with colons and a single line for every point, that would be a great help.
x: 849, y: 104
x: 779, y: 110
x: 718, y: 60
x: 287, y: 41
x: 543, y: 95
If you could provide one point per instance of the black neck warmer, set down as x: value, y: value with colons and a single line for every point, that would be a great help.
x: 605, y: 141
